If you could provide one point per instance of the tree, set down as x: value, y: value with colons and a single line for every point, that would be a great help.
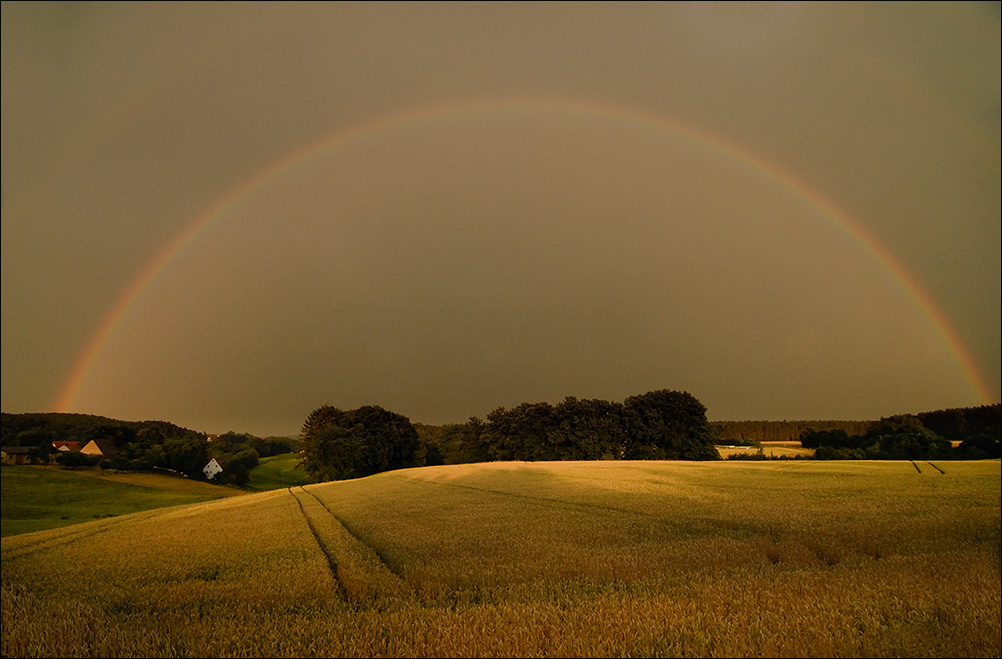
x: 667, y: 425
x: 836, y: 438
x: 187, y: 456
x: 338, y: 445
x: 588, y: 429
x: 320, y: 418
x: 470, y: 439
x: 904, y: 437
x: 979, y: 447
x: 239, y: 466
x: 521, y: 433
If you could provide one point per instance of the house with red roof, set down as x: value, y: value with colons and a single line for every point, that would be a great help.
x: 64, y: 447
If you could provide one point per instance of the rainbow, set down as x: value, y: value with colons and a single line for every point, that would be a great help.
x: 305, y: 154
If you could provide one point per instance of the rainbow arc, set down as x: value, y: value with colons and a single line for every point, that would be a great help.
x: 310, y: 152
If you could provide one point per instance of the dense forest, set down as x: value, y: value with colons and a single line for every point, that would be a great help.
x: 139, y: 445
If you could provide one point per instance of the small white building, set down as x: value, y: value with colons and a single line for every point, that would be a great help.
x: 210, y: 470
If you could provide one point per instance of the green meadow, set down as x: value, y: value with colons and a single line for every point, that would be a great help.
x: 726, y: 558
x: 36, y: 498
x: 277, y: 472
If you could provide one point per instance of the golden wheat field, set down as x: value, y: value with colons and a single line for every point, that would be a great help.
x: 792, y: 558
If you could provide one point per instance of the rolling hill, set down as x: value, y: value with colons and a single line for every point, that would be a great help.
x: 518, y: 559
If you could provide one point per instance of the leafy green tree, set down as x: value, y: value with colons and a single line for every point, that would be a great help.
x: 521, y: 433
x: 186, y: 455
x: 269, y: 446
x: 587, y: 429
x: 238, y: 467
x: 899, y: 437
x: 837, y: 438
x: 905, y: 437
x: 472, y: 447
x: 320, y: 418
x: 36, y: 437
x: 120, y: 434
x: 979, y: 447
x: 41, y: 453
x: 667, y: 425
x: 339, y: 445
x: 961, y: 423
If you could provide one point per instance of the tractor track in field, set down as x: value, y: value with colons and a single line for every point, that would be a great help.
x: 360, y: 571
x: 331, y: 562
x: 355, y: 536
x: 915, y: 464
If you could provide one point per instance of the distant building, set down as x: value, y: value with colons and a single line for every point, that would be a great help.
x: 65, y: 447
x: 15, y: 455
x: 210, y: 470
x: 103, y: 448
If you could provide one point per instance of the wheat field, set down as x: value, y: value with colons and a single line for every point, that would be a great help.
x: 792, y: 558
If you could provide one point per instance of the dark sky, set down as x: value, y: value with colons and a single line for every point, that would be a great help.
x: 790, y: 210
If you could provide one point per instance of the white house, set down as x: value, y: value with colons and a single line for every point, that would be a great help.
x: 210, y: 470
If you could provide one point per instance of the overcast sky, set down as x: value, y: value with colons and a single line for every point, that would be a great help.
x: 789, y: 210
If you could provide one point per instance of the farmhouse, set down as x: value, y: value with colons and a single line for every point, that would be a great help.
x: 15, y: 455
x: 211, y: 469
x: 64, y: 447
x: 103, y: 448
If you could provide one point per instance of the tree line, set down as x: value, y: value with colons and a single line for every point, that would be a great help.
x: 747, y: 432
x: 925, y: 436
x: 954, y: 424
x: 658, y: 425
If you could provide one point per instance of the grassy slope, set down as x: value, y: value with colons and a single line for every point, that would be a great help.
x: 471, y: 525
x: 35, y: 498
x: 278, y: 472
x: 516, y: 559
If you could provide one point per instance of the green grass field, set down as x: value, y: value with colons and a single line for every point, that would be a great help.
x: 36, y: 498
x: 534, y: 559
x: 278, y: 472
